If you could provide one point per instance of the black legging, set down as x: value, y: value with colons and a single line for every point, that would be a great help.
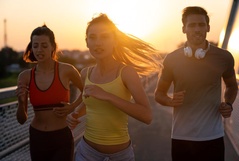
x: 51, y: 145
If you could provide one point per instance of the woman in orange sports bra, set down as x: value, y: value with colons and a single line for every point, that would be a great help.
x: 108, y: 88
x: 47, y: 85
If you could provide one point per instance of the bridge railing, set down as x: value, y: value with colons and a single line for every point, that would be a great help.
x: 14, y: 138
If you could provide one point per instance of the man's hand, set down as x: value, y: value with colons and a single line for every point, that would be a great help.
x: 225, y: 109
x: 177, y: 99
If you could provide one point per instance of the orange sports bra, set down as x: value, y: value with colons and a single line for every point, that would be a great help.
x: 52, y: 97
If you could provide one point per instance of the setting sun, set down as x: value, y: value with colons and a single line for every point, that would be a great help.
x: 138, y: 20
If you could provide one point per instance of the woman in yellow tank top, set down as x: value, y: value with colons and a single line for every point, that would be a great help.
x: 109, y: 87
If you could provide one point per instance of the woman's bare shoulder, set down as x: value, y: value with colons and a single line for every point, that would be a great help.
x: 127, y: 69
x: 24, y: 76
x: 84, y: 71
x: 68, y: 69
x: 65, y: 65
x: 25, y: 73
x: 129, y: 73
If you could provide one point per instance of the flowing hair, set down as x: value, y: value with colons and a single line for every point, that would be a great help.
x: 131, y: 50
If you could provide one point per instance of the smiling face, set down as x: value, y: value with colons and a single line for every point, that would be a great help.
x: 100, y: 40
x: 41, y: 47
x: 196, y: 29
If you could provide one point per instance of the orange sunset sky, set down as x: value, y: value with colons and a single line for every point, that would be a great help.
x: 155, y: 21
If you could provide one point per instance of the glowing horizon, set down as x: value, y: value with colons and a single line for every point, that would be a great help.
x: 155, y: 21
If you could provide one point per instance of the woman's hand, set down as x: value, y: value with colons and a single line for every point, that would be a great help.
x: 63, y: 110
x: 72, y: 120
x: 22, y: 93
x: 95, y: 91
x: 21, y: 90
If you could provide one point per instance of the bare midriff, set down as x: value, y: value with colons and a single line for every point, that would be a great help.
x: 48, y: 121
x: 108, y: 149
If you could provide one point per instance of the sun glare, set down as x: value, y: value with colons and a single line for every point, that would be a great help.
x: 221, y: 37
x: 233, y: 41
x: 133, y: 17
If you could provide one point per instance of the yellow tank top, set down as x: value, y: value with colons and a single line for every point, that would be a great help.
x: 105, y: 123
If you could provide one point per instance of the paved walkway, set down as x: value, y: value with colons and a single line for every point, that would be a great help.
x: 152, y: 142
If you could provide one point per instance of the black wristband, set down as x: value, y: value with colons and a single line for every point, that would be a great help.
x: 228, y: 103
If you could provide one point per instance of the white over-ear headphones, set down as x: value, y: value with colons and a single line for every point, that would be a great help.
x: 199, y: 53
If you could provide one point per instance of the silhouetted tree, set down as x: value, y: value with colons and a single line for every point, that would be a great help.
x: 7, y: 56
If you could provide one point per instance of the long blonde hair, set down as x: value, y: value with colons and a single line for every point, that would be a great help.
x: 131, y: 50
